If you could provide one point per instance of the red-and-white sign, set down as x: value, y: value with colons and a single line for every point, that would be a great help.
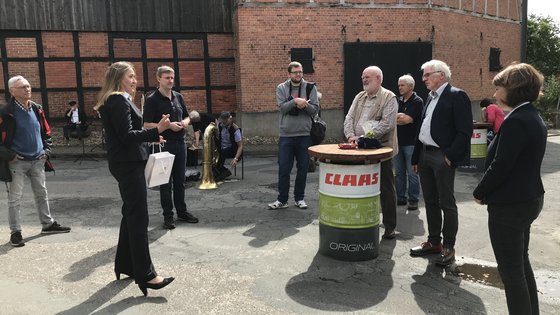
x: 478, y: 136
x: 349, y: 181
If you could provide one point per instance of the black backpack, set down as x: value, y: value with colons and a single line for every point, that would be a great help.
x: 318, y: 125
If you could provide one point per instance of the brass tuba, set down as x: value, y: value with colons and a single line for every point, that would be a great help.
x: 210, y: 157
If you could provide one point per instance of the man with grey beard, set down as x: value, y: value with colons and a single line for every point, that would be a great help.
x: 377, y: 107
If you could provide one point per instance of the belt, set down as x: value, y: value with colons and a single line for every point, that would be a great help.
x: 431, y: 148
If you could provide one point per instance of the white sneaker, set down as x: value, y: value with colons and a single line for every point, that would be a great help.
x: 277, y: 205
x: 301, y: 204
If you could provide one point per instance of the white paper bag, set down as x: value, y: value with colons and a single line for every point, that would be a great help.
x: 158, y: 169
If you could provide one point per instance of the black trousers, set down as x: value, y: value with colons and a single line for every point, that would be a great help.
x: 224, y: 154
x: 438, y: 187
x: 510, y: 227
x: 80, y: 129
x: 173, y: 193
x: 133, y: 253
x: 388, y: 196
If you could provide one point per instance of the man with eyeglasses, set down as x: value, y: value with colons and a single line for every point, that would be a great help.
x: 165, y: 101
x: 442, y: 144
x: 376, y: 108
x: 296, y: 109
x: 25, y: 145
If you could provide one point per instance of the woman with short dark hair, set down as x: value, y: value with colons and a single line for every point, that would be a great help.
x: 512, y: 186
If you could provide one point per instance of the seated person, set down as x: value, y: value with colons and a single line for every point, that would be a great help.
x: 75, y: 120
x: 230, y: 145
x: 199, y: 122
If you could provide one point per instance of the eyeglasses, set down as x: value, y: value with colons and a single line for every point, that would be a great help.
x: 296, y: 72
x: 426, y: 75
x: 23, y: 87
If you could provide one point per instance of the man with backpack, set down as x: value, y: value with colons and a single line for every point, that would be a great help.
x: 230, y: 145
x: 297, y: 106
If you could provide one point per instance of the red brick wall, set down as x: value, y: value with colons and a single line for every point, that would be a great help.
x: 467, y: 54
x: 264, y: 45
x: 60, y: 74
x: 30, y: 70
x: 58, y: 44
x: 127, y: 48
x: 21, y: 47
x: 192, y: 48
x: 222, y: 73
x: 192, y: 73
x: 90, y: 99
x: 223, y: 100
x: 220, y: 45
x: 58, y: 102
x: 159, y: 48
x: 94, y: 45
x: 195, y: 100
x: 93, y: 73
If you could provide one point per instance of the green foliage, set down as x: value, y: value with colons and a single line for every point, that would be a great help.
x: 543, y: 44
x: 546, y: 104
x: 543, y: 52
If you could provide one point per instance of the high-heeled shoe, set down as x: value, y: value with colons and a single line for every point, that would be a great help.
x: 154, y: 286
x: 118, y: 275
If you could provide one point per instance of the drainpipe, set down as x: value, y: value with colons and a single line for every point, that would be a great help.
x: 524, y: 31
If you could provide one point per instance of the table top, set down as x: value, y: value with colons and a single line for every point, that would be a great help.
x: 335, y: 154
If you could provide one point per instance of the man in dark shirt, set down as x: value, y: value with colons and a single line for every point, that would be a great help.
x: 408, y: 116
x: 199, y: 122
x: 161, y: 102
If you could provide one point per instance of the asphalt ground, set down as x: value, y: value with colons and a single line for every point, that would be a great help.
x: 244, y: 259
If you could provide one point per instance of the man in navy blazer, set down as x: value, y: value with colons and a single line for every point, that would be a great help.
x: 443, y: 143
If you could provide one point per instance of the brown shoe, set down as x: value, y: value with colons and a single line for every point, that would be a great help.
x: 446, y: 258
x: 426, y: 248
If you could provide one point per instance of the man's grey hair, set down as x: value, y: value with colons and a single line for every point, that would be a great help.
x: 194, y: 115
x: 438, y: 66
x: 376, y: 70
x: 164, y: 69
x: 408, y: 79
x: 13, y: 80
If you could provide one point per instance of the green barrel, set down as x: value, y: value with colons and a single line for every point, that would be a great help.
x: 349, y: 205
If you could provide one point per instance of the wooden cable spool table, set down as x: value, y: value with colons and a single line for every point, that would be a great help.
x: 349, y: 201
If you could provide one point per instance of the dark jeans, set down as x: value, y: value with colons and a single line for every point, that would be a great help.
x: 509, y: 227
x: 288, y: 149
x: 133, y: 253
x: 176, y: 181
x: 438, y: 186
x: 405, y: 174
x: 388, y: 195
x: 72, y: 126
x: 225, y: 153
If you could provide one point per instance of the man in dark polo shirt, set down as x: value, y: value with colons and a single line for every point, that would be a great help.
x: 166, y: 101
x: 408, y: 116
x: 199, y: 122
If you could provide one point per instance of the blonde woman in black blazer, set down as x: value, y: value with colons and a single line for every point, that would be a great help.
x: 127, y: 155
x: 512, y: 186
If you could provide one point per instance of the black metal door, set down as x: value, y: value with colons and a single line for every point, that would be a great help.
x: 394, y: 59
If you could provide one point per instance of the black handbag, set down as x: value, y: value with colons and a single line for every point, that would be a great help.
x: 318, y: 129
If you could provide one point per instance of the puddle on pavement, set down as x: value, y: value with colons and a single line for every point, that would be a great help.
x: 485, y: 275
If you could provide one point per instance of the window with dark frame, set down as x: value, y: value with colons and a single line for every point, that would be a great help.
x: 305, y: 57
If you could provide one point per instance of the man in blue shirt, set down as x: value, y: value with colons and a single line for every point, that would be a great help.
x: 24, y: 149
